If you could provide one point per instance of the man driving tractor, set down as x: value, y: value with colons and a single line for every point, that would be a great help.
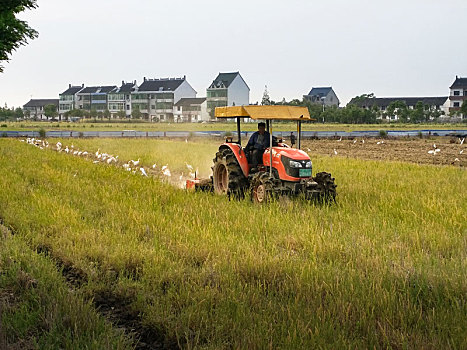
x: 258, y: 142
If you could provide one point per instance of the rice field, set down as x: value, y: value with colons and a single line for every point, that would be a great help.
x: 384, y: 268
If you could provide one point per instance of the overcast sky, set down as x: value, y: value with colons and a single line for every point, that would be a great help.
x: 390, y: 48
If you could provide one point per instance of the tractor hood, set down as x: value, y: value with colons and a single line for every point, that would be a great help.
x: 291, y: 153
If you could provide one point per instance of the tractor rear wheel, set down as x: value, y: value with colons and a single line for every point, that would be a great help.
x: 261, y: 188
x: 326, y: 186
x: 227, y: 175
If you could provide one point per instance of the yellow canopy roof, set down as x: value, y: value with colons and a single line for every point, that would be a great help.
x: 280, y: 112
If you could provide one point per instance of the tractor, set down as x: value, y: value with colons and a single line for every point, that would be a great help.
x: 284, y: 171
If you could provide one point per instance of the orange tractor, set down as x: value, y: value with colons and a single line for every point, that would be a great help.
x: 284, y: 171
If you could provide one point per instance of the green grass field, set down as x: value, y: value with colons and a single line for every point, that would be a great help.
x: 384, y: 268
x: 216, y: 126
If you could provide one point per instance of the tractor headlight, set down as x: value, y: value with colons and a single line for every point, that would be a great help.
x: 294, y: 164
x: 308, y: 164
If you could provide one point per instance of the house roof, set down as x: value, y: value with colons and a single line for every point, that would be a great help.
x: 41, y: 102
x: 320, y: 91
x: 459, y: 83
x: 97, y: 89
x: 168, y: 84
x: 224, y: 80
x: 409, y: 101
x: 127, y: 87
x: 71, y: 90
x: 187, y: 101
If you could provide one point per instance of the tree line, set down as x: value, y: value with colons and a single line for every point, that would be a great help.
x: 354, y: 114
x: 7, y: 114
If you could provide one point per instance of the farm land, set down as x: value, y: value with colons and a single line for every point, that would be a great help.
x: 93, y: 255
x: 104, y: 125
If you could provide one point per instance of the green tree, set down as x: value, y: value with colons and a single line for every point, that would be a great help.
x: 463, y: 109
x: 50, y: 111
x: 93, y: 114
x: 19, y: 113
x: 362, y: 99
x: 136, y: 113
x: 266, y: 100
x: 14, y: 32
x: 107, y: 114
x: 398, y: 108
x: 417, y: 115
x: 74, y: 113
x: 121, y: 114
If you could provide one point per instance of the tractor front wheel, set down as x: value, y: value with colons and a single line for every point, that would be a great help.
x: 261, y: 188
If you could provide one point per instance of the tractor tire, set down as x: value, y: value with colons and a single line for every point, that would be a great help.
x: 326, y: 186
x: 228, y: 176
x: 261, y: 188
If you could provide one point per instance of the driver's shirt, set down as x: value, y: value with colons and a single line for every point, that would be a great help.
x: 259, y: 141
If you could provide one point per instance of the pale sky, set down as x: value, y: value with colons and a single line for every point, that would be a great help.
x: 390, y: 48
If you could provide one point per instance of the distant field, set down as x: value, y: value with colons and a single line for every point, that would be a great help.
x: 384, y: 268
x: 146, y: 126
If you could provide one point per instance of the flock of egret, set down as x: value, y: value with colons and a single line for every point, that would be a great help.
x: 132, y: 166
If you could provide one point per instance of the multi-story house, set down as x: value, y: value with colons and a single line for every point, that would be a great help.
x: 458, y: 94
x: 120, y: 99
x: 94, y: 97
x: 155, y: 98
x: 67, y: 100
x: 35, y: 109
x: 322, y: 95
x: 228, y: 89
x: 191, y: 110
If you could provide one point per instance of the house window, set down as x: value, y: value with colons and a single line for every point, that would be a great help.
x: 457, y: 93
x: 456, y: 104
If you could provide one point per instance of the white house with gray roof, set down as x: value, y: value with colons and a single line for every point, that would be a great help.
x: 228, y: 89
x: 68, y: 100
x: 120, y: 99
x: 191, y: 110
x: 94, y: 97
x: 155, y: 98
x: 35, y: 108
x: 322, y: 95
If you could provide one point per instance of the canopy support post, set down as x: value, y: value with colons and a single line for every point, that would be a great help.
x: 270, y: 148
x: 238, y: 132
x: 299, y: 132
